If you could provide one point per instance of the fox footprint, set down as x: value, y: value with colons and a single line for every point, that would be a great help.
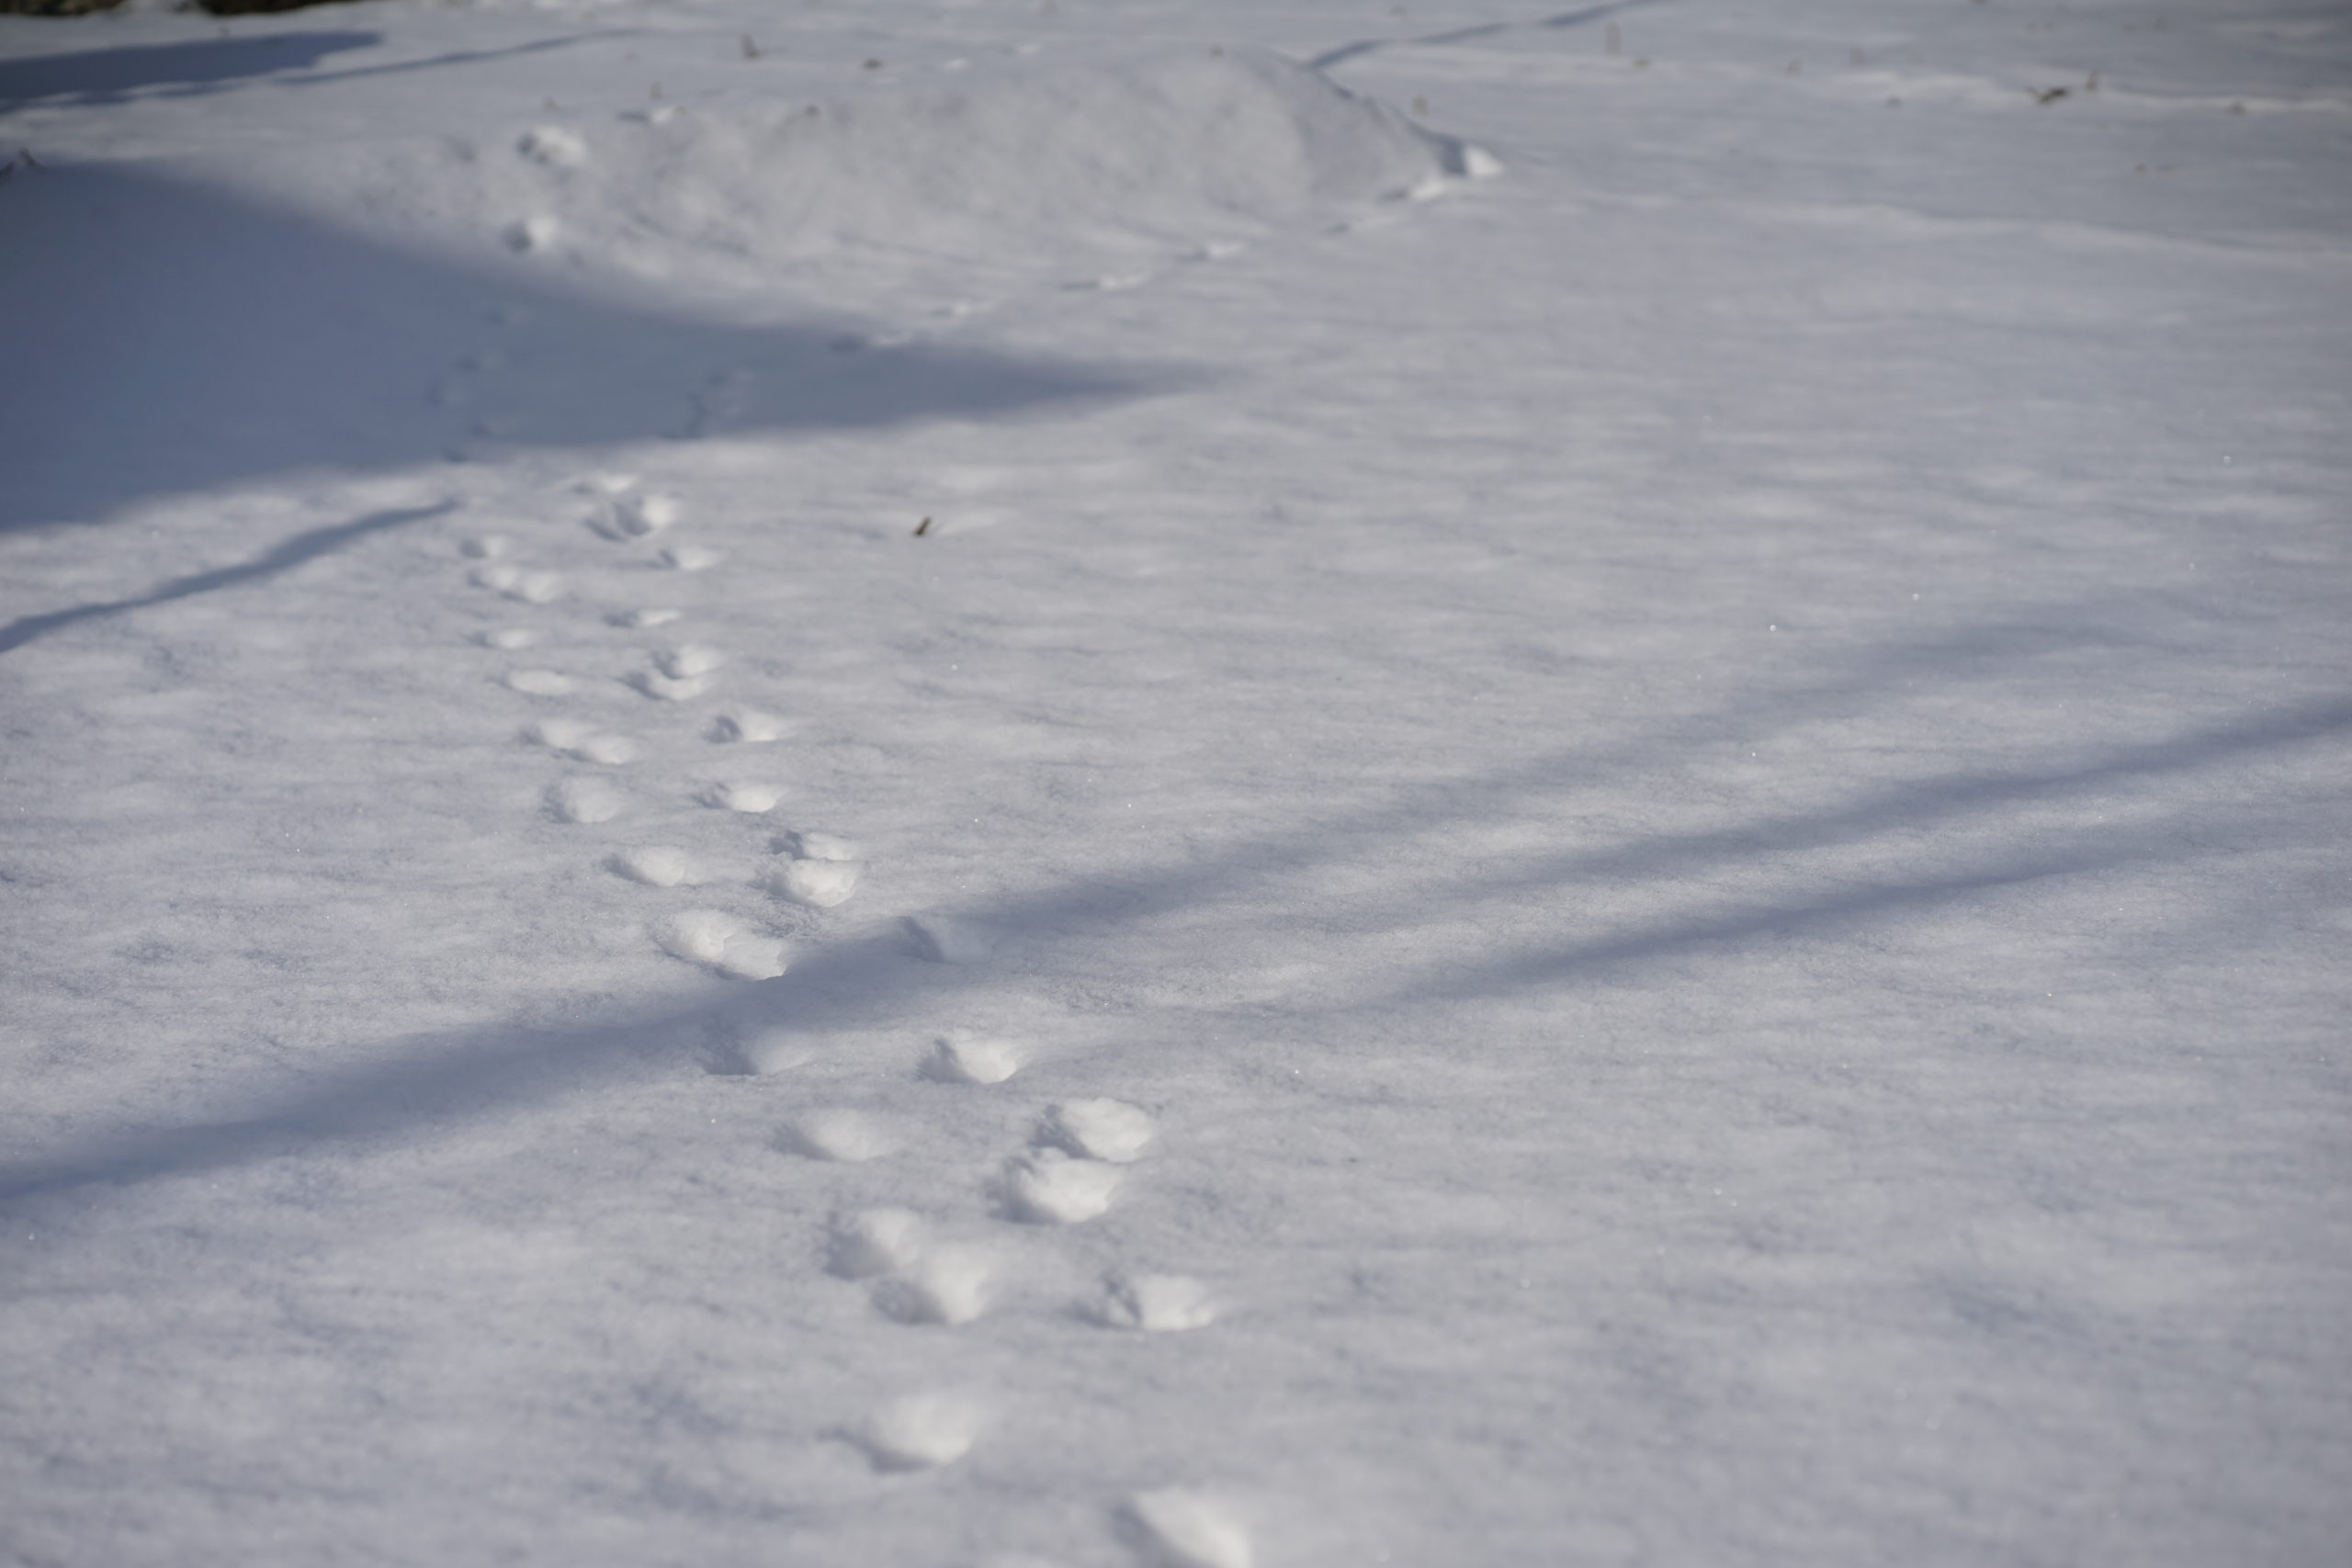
x: 679, y: 673
x: 718, y: 940
x: 915, y: 1281
x: 1047, y: 1187
x: 920, y: 1431
x: 584, y: 741
x: 1157, y: 1303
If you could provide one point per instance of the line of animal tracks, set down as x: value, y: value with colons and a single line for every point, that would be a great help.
x: 936, y: 1271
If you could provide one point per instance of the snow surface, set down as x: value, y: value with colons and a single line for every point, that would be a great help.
x: 1074, y: 783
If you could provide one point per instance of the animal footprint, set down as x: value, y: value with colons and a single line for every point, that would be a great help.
x: 687, y: 661
x: 819, y: 884
x: 656, y: 865
x: 690, y: 558
x: 950, y: 1285
x: 667, y: 689
x: 576, y: 739
x: 749, y: 727
x: 807, y: 845
x: 722, y: 941
x: 508, y: 640
x: 848, y: 1138
x: 1179, y: 1528
x: 641, y: 619
x: 1158, y: 1304
x: 757, y: 1052
x: 585, y: 800
x: 639, y: 516
x: 541, y: 682
x: 553, y: 146
x: 1108, y: 1129
x: 1047, y: 1187
x: 922, y: 1431
x: 874, y: 1241
x: 679, y: 673
x: 530, y: 587
x: 535, y: 233
x: 975, y: 1059
x: 751, y: 798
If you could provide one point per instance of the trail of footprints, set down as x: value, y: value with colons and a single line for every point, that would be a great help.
x: 1080, y: 1154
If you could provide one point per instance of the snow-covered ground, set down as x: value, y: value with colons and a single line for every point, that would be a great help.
x: 1247, y: 781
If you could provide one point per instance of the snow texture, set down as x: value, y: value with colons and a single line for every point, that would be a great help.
x: 1090, y: 782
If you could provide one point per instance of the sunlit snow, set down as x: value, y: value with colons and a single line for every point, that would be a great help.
x: 1243, y: 784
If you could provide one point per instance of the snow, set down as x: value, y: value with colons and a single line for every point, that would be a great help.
x: 819, y: 884
x: 922, y: 1430
x: 1189, y: 1529
x: 1159, y: 1304
x: 1295, y: 782
x: 1100, y: 1129
x: 1047, y: 1187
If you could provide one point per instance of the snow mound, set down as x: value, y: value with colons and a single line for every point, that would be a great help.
x: 1091, y: 163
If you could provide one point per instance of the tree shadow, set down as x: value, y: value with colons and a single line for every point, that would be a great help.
x: 210, y: 65
x: 441, y: 1082
x: 165, y: 336
x: 283, y: 557
x: 103, y: 75
x: 875, y: 980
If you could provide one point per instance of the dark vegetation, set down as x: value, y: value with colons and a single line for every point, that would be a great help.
x: 214, y: 7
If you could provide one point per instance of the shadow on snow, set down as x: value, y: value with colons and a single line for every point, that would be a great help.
x: 169, y: 337
x: 102, y: 75
x: 282, y: 557
x: 872, y: 980
x: 207, y: 65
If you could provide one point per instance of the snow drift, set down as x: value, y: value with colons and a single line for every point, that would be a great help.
x: 1103, y: 162
x: 1161, y: 149
x: 323, y: 304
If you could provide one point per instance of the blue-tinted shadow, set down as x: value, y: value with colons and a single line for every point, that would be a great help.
x: 165, y: 336
x: 282, y: 557
x: 200, y: 63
